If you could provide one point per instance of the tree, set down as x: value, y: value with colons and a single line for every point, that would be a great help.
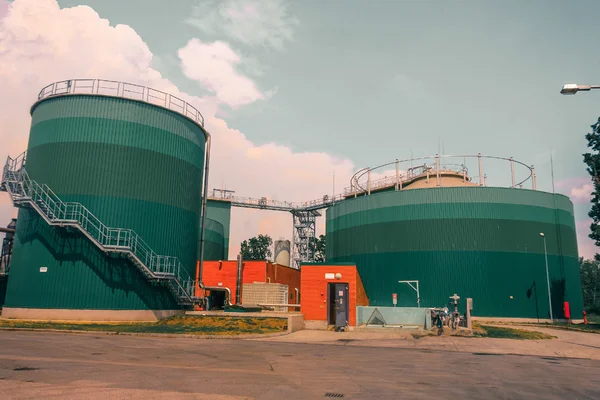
x: 257, y: 248
x: 592, y: 161
x: 317, y: 246
x: 590, y: 284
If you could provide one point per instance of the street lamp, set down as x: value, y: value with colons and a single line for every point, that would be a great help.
x: 572, y: 88
x: 547, y: 277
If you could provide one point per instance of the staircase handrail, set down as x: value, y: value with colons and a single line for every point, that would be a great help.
x: 108, y: 238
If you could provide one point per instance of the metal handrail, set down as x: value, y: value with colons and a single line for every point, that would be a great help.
x: 356, y: 187
x: 125, y: 90
x: 23, y: 189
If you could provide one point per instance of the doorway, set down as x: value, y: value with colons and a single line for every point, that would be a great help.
x: 337, y: 310
x: 217, y: 299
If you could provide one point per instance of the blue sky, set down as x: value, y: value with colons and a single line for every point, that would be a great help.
x: 368, y: 82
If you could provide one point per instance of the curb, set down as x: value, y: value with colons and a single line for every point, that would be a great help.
x: 160, y: 335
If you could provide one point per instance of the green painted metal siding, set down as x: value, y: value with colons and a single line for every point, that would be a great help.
x: 218, y: 218
x: 134, y: 166
x: 479, y: 242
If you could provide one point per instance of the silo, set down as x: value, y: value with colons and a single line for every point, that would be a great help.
x: 218, y: 218
x: 133, y: 165
x: 477, y: 241
x: 282, y: 252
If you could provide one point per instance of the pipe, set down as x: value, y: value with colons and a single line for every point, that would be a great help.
x: 221, y: 288
x: 7, y: 230
x: 238, y: 285
x: 204, y: 198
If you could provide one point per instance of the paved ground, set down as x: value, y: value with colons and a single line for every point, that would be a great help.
x: 89, y: 366
x: 568, y: 343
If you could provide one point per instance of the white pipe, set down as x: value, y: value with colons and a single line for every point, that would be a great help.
x: 204, y: 198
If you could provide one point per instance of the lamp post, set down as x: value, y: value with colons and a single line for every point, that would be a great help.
x: 572, y: 88
x: 547, y: 277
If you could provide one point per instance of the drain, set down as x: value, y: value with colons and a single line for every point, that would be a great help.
x: 336, y: 395
x: 25, y: 369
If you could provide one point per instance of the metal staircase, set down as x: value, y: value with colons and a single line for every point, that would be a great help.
x: 26, y: 192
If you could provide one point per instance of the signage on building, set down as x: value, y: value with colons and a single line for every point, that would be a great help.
x: 329, y: 276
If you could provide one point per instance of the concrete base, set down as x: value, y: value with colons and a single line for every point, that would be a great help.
x: 315, y: 325
x: 49, y: 314
x: 295, y: 320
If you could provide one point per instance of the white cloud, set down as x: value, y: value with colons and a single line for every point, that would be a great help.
x: 251, y: 22
x: 582, y: 194
x: 213, y: 66
x: 586, y: 246
x: 41, y: 43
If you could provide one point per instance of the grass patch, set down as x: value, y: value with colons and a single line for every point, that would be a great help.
x: 589, y: 328
x: 184, y: 324
x: 497, y: 332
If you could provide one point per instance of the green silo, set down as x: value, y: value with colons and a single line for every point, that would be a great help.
x: 134, y: 165
x: 478, y: 242
x: 218, y: 218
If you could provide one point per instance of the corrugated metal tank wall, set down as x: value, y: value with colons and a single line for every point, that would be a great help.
x: 216, y: 239
x: 133, y: 165
x: 481, y: 242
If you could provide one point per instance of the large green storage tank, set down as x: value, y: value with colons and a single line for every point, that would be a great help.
x: 134, y: 165
x: 478, y: 242
x: 216, y: 238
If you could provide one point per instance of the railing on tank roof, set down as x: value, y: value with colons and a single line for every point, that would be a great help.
x: 361, y: 182
x: 125, y: 90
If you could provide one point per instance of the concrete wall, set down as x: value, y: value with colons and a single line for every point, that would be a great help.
x: 396, y: 315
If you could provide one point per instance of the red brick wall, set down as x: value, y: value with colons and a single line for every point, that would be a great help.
x: 314, y: 290
x: 225, y: 272
x: 287, y: 276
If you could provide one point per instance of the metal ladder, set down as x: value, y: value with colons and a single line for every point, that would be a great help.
x: 26, y: 192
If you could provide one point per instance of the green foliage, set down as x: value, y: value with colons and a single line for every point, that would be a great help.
x: 257, y: 248
x: 317, y: 246
x: 592, y: 161
x: 590, y: 284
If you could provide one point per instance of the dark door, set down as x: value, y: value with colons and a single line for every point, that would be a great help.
x: 341, y: 304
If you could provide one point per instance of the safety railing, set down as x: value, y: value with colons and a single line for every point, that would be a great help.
x: 362, y: 182
x: 23, y: 189
x: 125, y: 90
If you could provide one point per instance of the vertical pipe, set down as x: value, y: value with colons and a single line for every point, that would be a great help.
x: 485, y: 180
x: 437, y: 170
x: 355, y: 186
x: 397, y: 177
x: 548, y: 280
x: 480, y: 168
x: 464, y: 171
x: 196, y: 286
x: 204, y: 197
x: 533, y: 179
x: 238, y: 286
x: 512, y: 172
x: 369, y: 182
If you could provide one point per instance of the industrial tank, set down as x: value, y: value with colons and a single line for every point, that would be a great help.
x: 477, y: 241
x: 216, y: 238
x: 282, y: 252
x: 134, y: 165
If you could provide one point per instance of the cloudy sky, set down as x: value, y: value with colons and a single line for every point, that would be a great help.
x: 295, y: 92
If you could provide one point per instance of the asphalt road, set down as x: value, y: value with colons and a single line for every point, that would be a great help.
x: 87, y: 366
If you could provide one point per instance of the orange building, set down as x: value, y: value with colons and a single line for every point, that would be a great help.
x: 220, y: 279
x: 330, y: 294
